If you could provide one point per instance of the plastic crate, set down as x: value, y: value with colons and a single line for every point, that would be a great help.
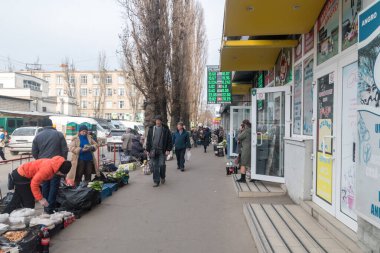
x: 113, y: 186
x: 105, y: 193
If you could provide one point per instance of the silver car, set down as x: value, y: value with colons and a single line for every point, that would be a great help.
x: 22, y: 139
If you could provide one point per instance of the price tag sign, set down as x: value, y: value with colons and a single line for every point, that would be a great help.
x: 218, y: 86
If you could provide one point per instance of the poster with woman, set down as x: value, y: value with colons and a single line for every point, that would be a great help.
x: 283, y: 68
x: 351, y: 9
x: 328, y: 31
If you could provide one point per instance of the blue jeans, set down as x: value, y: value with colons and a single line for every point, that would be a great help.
x: 180, y: 154
x: 50, y: 191
x: 159, y: 167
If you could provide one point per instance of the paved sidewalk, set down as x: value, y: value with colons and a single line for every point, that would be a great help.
x: 196, y: 211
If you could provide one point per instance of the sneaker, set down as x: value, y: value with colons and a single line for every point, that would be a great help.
x: 156, y: 185
x: 163, y: 180
x: 183, y: 169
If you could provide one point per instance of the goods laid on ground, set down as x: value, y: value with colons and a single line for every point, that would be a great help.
x: 15, y: 236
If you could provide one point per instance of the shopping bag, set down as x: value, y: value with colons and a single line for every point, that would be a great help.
x: 188, y: 155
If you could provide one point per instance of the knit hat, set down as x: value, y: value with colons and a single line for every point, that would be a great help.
x: 83, y: 127
x: 65, y: 167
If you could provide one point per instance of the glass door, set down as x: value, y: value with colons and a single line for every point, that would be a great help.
x: 270, y: 125
x: 238, y: 114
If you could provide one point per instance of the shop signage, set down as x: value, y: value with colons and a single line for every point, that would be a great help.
x: 269, y: 77
x: 260, y: 84
x: 308, y: 66
x: 368, y: 164
x: 297, y: 96
x: 283, y: 69
x: 351, y: 9
x: 328, y: 31
x: 349, y: 133
x: 298, y: 50
x: 324, y: 136
x: 218, y: 86
x: 308, y: 41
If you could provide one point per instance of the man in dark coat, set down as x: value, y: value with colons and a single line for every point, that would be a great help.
x: 181, y: 141
x: 47, y: 144
x: 158, y: 145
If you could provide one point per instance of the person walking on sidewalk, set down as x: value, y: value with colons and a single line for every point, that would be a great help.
x: 27, y: 180
x: 206, y: 138
x: 158, y: 145
x: 47, y: 144
x: 2, y: 143
x: 127, y: 141
x: 181, y: 141
x: 83, y: 159
x: 244, y: 138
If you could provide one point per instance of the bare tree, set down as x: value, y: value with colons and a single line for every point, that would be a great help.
x: 145, y: 47
x: 99, y: 100
x: 70, y: 86
x: 10, y: 67
x: 133, y: 94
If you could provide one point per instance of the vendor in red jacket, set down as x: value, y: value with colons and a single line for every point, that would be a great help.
x: 28, y: 178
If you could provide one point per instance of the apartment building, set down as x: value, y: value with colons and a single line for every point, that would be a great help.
x: 104, y: 95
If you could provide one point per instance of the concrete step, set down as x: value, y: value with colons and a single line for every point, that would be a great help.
x: 257, y: 188
x: 289, y: 228
x: 340, y: 231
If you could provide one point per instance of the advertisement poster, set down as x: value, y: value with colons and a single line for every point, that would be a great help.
x: 283, y: 68
x: 297, y: 100
x: 308, y: 41
x: 324, y: 177
x: 308, y: 96
x: 368, y: 162
x: 349, y: 133
x: 325, y: 131
x: 328, y: 31
x: 269, y: 77
x: 298, y: 50
x: 351, y: 9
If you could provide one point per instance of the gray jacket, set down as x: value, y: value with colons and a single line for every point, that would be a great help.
x: 49, y: 143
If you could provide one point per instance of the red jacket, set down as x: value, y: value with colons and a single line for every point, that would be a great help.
x: 39, y: 171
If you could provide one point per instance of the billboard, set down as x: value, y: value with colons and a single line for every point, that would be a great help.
x: 218, y: 86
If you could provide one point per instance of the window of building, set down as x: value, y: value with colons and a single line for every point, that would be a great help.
x: 121, y: 92
x: 96, y: 92
x: 109, y: 104
x: 109, y: 92
x: 96, y: 104
x: 120, y: 115
x: 121, y: 80
x: 83, y: 79
x: 43, y: 109
x: 109, y: 79
x: 72, y: 91
x: 121, y: 104
x: 83, y: 92
x: 83, y: 104
x: 46, y: 78
x: 72, y: 79
x: 96, y: 79
x: 108, y: 115
x: 59, y: 91
x: 32, y: 85
x: 59, y: 79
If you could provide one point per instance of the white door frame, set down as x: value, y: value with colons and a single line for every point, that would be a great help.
x: 332, y: 68
x: 287, y: 90
x: 231, y: 153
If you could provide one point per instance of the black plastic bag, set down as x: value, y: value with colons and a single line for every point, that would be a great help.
x: 79, y: 198
x: 29, y: 244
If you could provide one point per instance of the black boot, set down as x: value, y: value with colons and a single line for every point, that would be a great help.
x: 242, y: 179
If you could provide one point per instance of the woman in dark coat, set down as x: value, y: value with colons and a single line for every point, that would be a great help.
x: 244, y: 138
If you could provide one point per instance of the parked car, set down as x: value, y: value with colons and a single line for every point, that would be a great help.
x: 114, y: 138
x: 137, y: 126
x: 22, y: 138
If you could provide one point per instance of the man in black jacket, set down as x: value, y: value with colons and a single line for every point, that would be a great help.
x: 47, y: 144
x: 159, y: 144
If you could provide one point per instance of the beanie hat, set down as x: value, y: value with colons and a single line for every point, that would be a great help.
x: 46, y: 122
x: 65, y: 167
x: 83, y: 127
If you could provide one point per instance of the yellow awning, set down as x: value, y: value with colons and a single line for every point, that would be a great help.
x: 251, y: 55
x: 241, y: 89
x: 270, y: 17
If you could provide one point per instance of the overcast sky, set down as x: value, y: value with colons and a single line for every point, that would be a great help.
x: 51, y: 30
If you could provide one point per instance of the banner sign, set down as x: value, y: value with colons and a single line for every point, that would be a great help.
x: 368, y: 164
x: 308, y: 41
x: 218, y: 86
x: 351, y: 9
x: 328, y: 31
x: 297, y: 100
x: 298, y: 50
x: 308, y: 95
x: 283, y: 68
